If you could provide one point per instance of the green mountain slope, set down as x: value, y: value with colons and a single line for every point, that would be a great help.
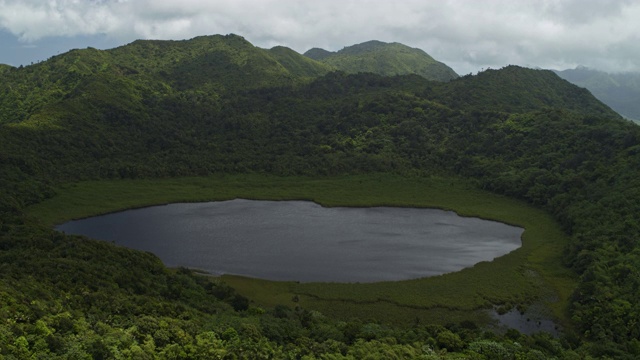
x: 220, y: 61
x: 517, y: 89
x: 620, y: 91
x: 300, y: 66
x: 207, y: 65
x: 219, y: 105
x: 386, y: 59
x: 318, y: 54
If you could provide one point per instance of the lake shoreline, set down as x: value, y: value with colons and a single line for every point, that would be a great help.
x: 295, y: 240
x: 501, y: 281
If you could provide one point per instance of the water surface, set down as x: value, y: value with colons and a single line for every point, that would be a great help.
x: 303, y: 241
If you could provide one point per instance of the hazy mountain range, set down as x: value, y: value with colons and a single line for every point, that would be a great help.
x: 621, y: 91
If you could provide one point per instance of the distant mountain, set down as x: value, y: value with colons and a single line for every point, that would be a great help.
x: 151, y: 69
x: 318, y: 54
x: 385, y: 59
x: 621, y: 91
x: 227, y: 61
x: 128, y: 80
x: 298, y: 65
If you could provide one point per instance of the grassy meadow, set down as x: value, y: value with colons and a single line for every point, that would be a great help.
x: 531, y: 274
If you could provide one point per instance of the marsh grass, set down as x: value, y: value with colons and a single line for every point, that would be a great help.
x: 532, y: 273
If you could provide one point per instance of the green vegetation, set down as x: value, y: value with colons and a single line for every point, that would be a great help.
x: 300, y: 66
x: 509, y: 280
x: 528, y: 90
x: 387, y: 59
x: 5, y: 68
x: 621, y: 91
x: 215, y: 116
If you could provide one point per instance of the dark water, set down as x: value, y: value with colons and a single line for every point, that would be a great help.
x: 528, y: 323
x: 302, y: 241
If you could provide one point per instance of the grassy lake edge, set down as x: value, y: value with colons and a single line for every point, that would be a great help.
x: 533, y: 273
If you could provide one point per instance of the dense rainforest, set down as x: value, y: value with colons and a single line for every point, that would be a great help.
x: 219, y: 105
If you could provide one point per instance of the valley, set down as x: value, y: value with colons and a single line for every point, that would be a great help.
x: 215, y: 118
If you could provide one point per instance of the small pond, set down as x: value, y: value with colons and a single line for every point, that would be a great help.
x: 303, y: 241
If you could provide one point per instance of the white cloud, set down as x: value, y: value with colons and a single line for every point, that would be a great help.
x: 466, y: 34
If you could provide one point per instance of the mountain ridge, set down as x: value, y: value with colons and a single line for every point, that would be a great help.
x: 387, y: 59
x: 215, y: 64
x: 517, y: 89
x: 620, y: 91
x: 209, y: 64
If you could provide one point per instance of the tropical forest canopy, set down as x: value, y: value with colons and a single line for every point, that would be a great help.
x: 218, y: 105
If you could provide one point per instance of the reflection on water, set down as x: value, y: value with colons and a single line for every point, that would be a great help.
x: 302, y: 241
x: 527, y: 323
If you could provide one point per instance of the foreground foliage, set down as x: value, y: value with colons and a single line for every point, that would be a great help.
x: 71, y: 297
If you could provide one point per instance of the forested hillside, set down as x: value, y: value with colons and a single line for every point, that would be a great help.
x: 4, y: 68
x: 620, y: 91
x: 219, y: 105
x: 386, y: 59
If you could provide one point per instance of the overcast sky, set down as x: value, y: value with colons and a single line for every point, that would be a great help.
x: 468, y: 35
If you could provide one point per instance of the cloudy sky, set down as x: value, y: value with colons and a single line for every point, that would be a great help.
x: 468, y: 35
